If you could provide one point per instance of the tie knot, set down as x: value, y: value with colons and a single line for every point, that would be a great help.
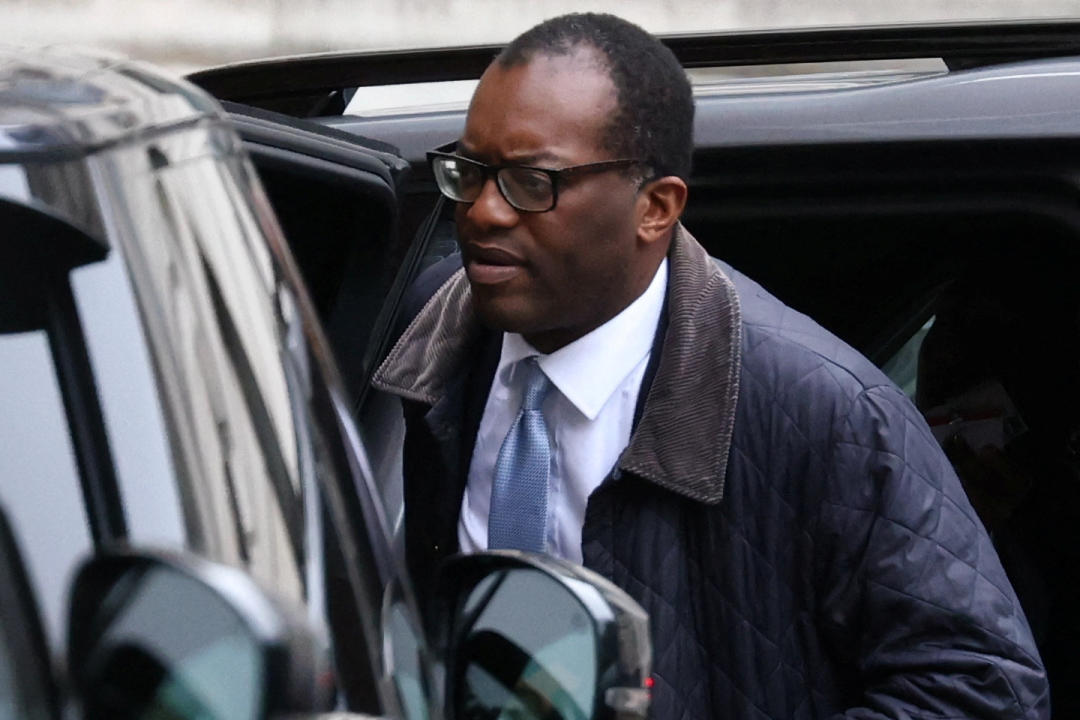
x: 536, y: 385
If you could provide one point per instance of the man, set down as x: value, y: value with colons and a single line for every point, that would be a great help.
x: 591, y: 384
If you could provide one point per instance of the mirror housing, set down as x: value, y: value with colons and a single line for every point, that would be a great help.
x: 541, y: 637
x: 173, y: 635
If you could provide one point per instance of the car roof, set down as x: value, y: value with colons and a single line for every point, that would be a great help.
x: 66, y: 102
x: 320, y: 84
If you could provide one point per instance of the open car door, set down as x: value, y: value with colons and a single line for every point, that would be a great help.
x: 359, y: 239
x: 336, y: 197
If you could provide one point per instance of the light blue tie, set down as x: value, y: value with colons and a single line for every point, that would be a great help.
x: 519, y: 496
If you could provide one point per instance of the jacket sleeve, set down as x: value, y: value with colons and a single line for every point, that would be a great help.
x: 911, y: 590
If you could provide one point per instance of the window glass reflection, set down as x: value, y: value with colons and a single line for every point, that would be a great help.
x: 205, y: 292
x: 40, y: 478
x: 26, y: 686
x: 207, y: 660
x: 531, y: 652
x: 131, y: 409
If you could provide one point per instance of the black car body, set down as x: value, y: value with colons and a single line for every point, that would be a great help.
x: 188, y: 518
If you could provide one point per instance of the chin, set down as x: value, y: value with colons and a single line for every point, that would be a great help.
x: 499, y: 314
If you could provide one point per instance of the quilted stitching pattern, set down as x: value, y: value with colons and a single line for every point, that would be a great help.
x: 844, y: 571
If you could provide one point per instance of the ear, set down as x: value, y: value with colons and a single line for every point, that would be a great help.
x: 659, y: 204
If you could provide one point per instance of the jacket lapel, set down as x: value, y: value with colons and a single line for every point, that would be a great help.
x: 684, y: 436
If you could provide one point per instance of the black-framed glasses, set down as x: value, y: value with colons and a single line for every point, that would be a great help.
x: 524, y: 187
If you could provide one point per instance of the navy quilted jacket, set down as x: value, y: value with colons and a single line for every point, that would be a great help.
x: 783, y: 513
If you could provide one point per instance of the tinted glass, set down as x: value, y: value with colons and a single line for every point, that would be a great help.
x: 26, y: 686
x: 257, y: 427
x: 9, y: 690
x: 903, y: 367
x: 40, y: 478
x: 131, y: 409
x: 39, y: 473
x: 405, y: 647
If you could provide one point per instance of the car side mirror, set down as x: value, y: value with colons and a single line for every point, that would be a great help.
x: 174, y: 636
x: 533, y: 636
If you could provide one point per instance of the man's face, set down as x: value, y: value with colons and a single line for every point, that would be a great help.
x: 557, y: 275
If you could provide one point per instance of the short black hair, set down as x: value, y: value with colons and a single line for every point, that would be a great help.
x: 654, y: 115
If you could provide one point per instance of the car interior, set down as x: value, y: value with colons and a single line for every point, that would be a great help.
x: 334, y: 196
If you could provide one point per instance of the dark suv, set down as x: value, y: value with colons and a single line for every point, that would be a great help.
x: 189, y: 523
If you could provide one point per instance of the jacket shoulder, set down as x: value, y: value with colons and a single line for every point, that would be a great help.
x: 784, y: 346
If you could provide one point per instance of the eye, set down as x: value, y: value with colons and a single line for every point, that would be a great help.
x: 468, y: 175
x: 531, y: 182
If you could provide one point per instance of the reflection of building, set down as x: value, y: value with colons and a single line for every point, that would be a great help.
x: 187, y: 34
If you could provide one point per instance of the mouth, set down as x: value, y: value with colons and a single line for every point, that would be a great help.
x: 487, y: 265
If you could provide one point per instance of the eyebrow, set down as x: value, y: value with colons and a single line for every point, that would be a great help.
x: 540, y: 158
x: 524, y: 159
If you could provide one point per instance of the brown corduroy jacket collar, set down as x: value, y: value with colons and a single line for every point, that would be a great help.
x: 684, y: 435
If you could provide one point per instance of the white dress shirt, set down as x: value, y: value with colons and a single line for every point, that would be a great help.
x: 589, y: 413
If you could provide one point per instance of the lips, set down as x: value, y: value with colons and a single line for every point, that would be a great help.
x: 487, y: 265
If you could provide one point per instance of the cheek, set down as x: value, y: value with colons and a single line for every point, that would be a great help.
x: 600, y: 245
x: 461, y: 220
x: 584, y: 276
x: 565, y: 255
x: 583, y: 251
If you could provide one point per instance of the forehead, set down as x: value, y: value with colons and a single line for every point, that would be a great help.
x: 551, y: 107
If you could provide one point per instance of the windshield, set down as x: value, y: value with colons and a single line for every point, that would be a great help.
x: 186, y: 35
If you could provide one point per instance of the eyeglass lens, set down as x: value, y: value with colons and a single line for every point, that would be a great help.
x: 524, y: 188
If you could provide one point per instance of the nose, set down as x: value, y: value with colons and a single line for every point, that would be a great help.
x: 490, y: 210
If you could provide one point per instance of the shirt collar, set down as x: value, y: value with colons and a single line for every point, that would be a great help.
x: 588, y: 370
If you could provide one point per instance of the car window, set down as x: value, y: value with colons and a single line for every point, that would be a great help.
x: 9, y: 691
x: 254, y: 439
x: 39, y: 469
x: 205, y: 293
x: 27, y: 690
x: 130, y: 407
x: 185, y: 292
x: 41, y: 477
x: 903, y: 367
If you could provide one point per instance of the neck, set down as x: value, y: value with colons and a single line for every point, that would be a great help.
x: 548, y: 341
